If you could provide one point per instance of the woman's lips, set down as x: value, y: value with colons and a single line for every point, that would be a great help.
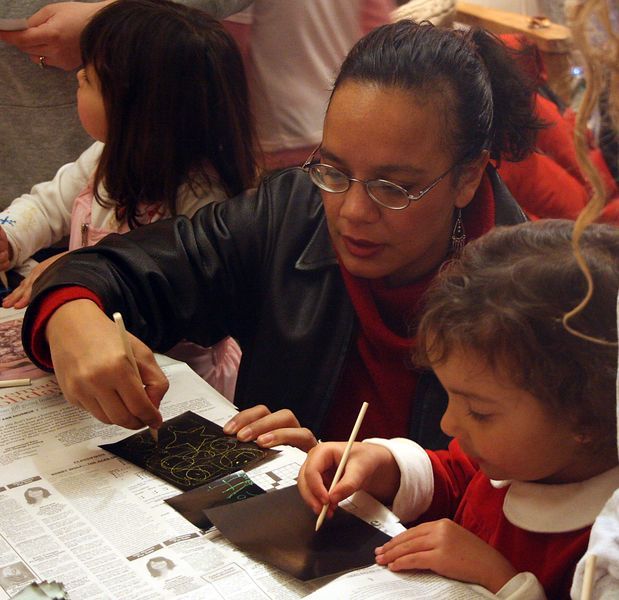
x: 361, y: 248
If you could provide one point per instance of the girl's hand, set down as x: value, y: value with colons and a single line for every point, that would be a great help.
x: 20, y: 296
x: 449, y: 550
x: 5, y: 251
x: 94, y: 372
x: 269, y: 429
x: 369, y: 467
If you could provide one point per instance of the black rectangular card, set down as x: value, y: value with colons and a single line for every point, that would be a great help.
x: 228, y: 489
x: 191, y: 451
x: 278, y: 528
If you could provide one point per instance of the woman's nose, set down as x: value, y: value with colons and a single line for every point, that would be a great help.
x: 357, y: 204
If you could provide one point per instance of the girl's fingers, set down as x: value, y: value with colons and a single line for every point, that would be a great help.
x: 422, y: 560
x: 313, y: 481
x: 412, y: 541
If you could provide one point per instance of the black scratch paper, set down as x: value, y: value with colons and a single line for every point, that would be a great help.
x: 191, y: 451
x: 278, y: 528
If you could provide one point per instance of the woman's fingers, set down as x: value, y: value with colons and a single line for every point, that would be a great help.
x: 299, y: 437
x: 245, y: 417
x: 94, y: 372
x: 282, y: 419
x: 269, y: 429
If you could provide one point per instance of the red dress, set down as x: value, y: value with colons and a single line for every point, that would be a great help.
x: 538, y: 528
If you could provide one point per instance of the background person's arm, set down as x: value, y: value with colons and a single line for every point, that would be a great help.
x: 54, y: 31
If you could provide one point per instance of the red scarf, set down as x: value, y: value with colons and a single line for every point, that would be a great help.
x: 378, y: 367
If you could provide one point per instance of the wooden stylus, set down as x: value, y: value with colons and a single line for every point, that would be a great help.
x: 14, y: 382
x: 120, y: 324
x: 340, y: 468
x: 587, y: 580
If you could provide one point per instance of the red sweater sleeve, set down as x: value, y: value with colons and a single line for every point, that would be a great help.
x: 453, y: 471
x: 47, y: 306
x: 544, y: 188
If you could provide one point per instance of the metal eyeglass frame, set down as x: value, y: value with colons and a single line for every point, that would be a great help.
x: 307, y: 166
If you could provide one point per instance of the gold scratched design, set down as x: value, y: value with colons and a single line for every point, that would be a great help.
x: 201, y: 459
x: 191, y: 451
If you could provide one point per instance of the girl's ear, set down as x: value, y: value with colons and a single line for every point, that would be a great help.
x: 469, y: 180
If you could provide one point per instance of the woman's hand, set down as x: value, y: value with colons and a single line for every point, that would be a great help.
x: 20, y: 296
x: 94, y: 372
x: 449, y: 550
x: 370, y: 467
x: 269, y: 429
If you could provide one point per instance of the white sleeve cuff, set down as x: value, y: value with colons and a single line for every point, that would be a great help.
x: 524, y: 586
x: 416, y: 477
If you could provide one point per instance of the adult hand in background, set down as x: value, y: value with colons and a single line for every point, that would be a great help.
x: 269, y: 429
x: 54, y: 33
x: 94, y: 372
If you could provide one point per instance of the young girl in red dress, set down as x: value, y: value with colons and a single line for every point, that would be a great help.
x: 509, y: 505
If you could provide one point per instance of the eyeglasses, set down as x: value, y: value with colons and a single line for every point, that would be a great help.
x: 383, y: 192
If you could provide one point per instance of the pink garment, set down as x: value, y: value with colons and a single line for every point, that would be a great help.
x: 82, y: 231
x: 218, y: 365
x: 375, y: 13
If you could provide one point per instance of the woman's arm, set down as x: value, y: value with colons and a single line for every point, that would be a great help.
x: 175, y: 279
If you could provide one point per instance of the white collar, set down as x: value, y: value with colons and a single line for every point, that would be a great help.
x: 555, y: 508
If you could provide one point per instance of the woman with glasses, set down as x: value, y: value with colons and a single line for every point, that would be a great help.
x: 319, y: 273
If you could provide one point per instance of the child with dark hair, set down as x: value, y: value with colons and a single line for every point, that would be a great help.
x: 531, y: 409
x: 163, y: 90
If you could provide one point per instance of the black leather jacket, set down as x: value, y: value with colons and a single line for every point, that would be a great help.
x: 259, y: 267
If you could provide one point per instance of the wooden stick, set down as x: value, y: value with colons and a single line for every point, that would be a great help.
x: 118, y: 319
x: 587, y: 579
x: 343, y: 461
x: 14, y: 382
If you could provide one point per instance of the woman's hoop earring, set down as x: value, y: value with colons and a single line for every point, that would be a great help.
x: 458, y: 235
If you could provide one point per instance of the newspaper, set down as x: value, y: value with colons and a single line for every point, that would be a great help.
x: 71, y: 512
x: 74, y: 513
x: 14, y: 363
x: 378, y: 583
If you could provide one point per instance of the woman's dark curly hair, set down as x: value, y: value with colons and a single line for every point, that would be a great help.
x: 488, y: 103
